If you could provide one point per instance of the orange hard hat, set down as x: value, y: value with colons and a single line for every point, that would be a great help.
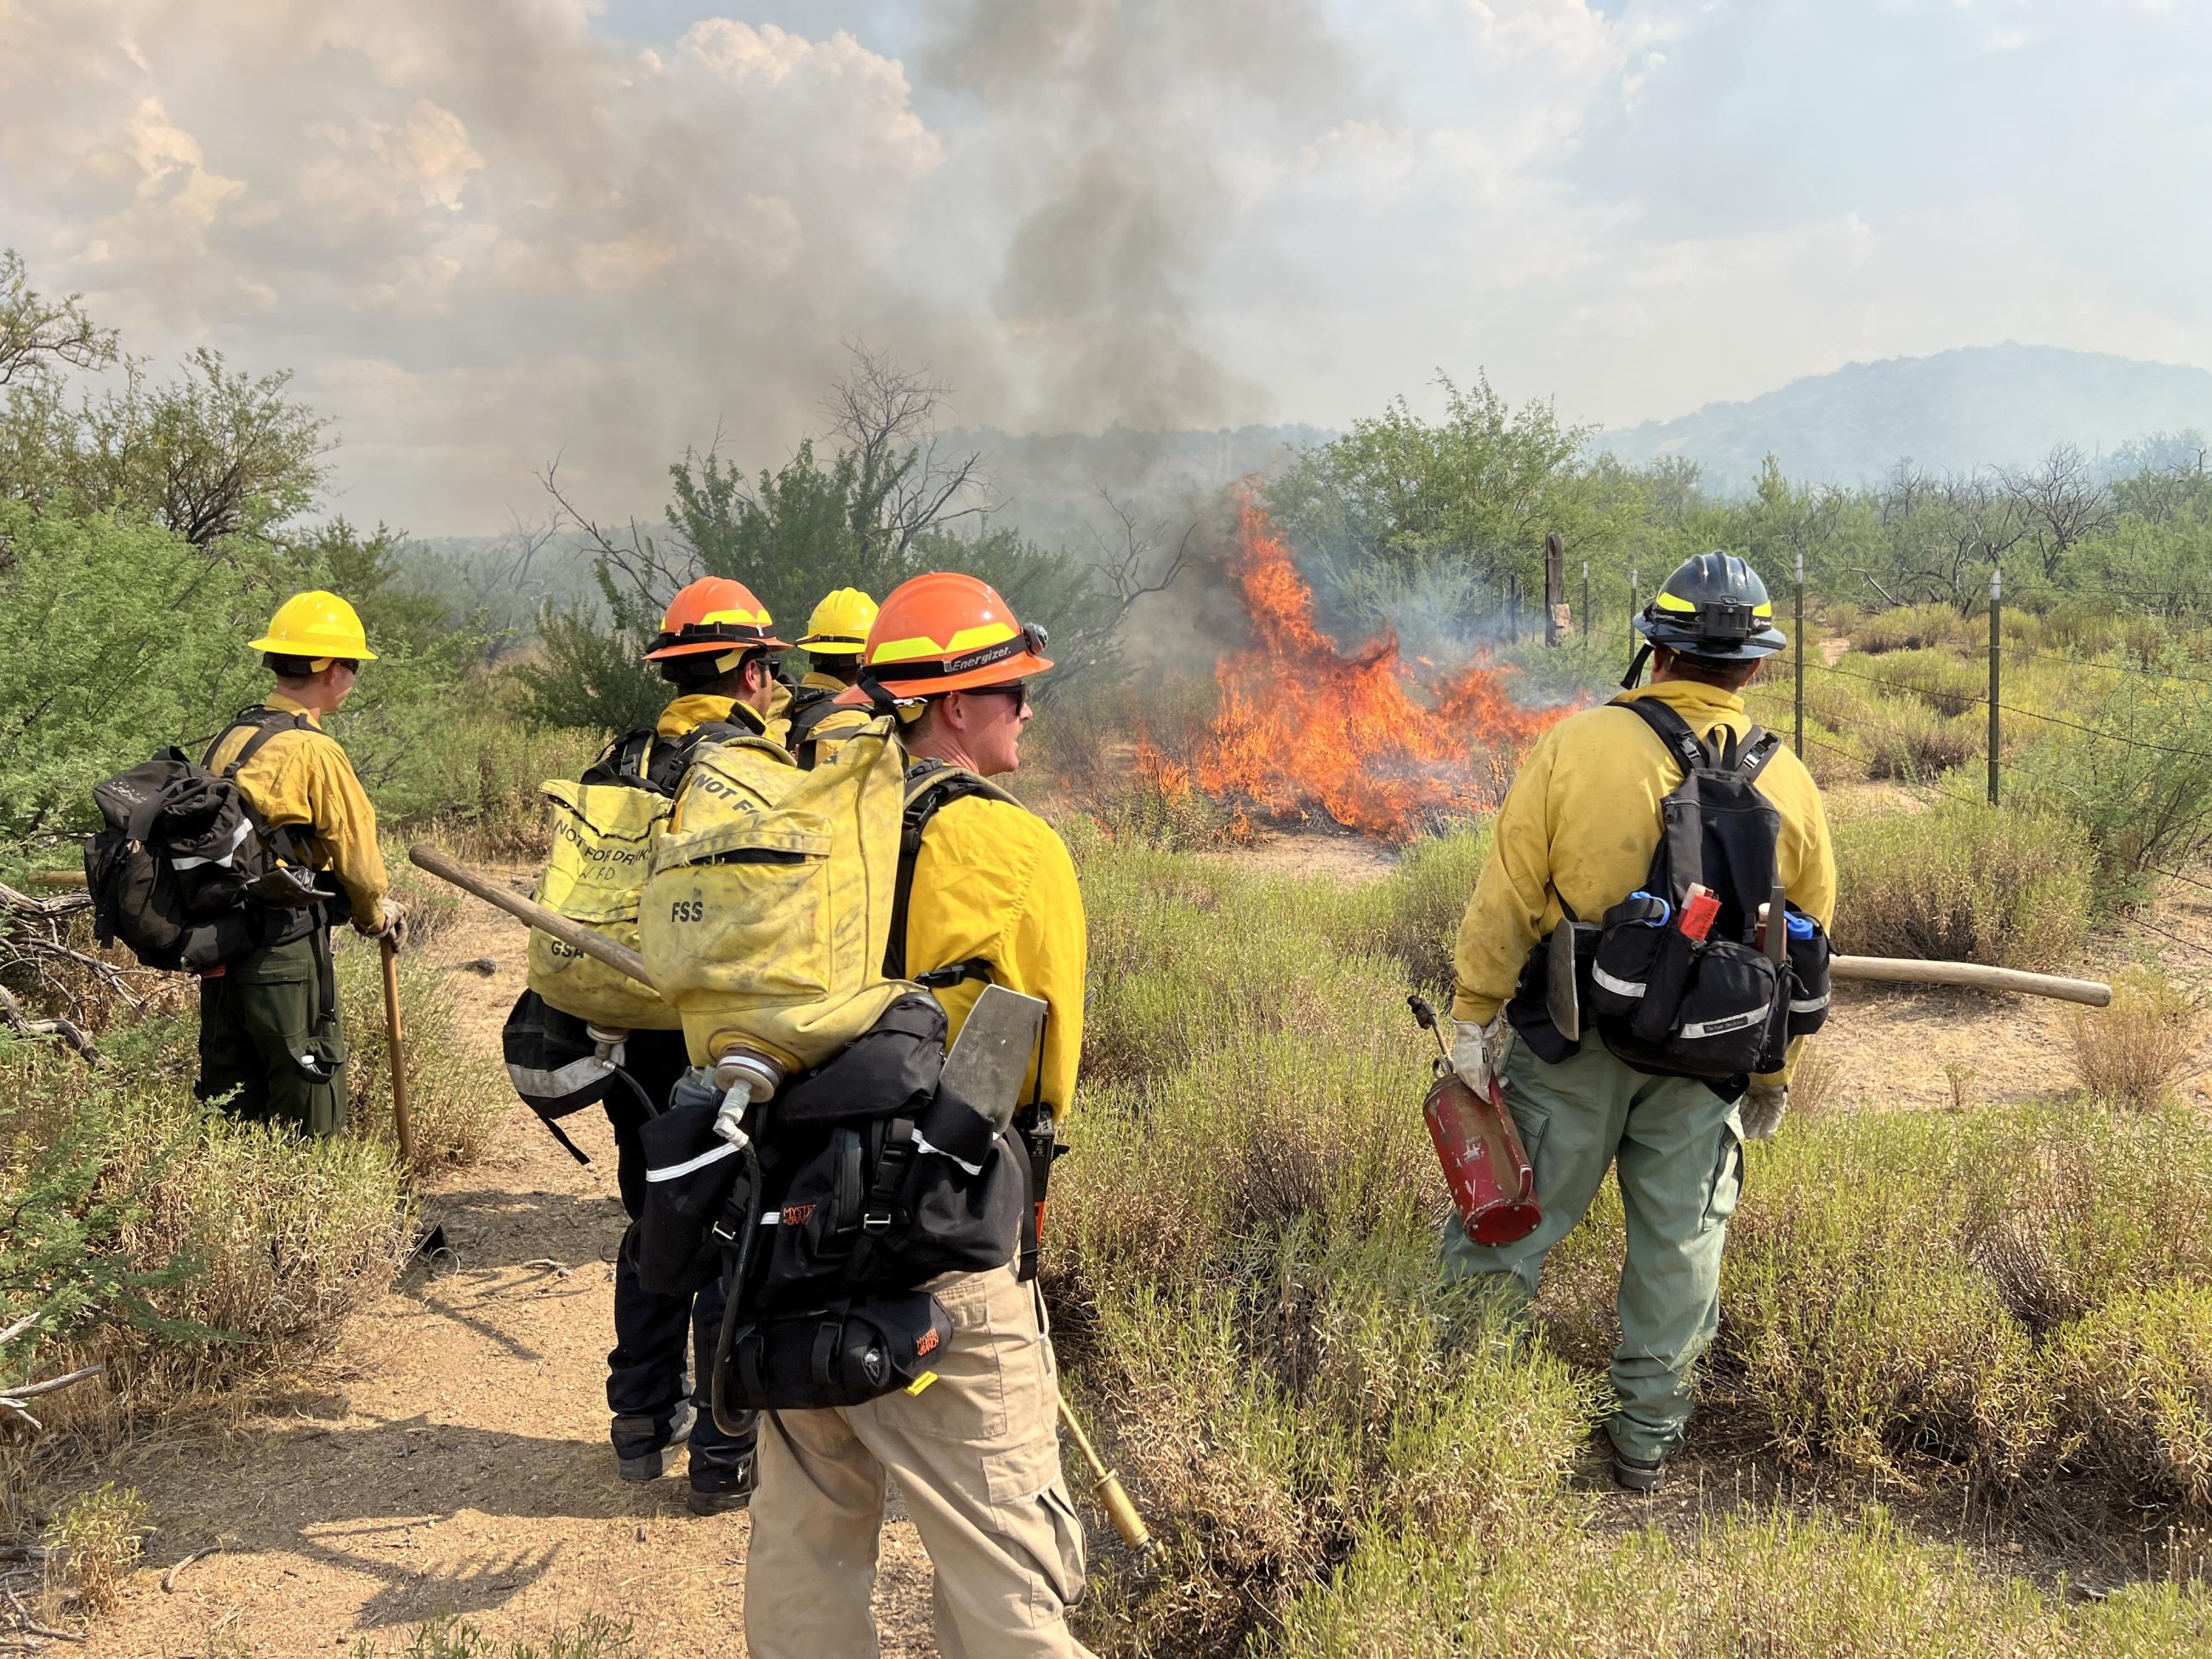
x: 716, y: 613
x: 946, y: 632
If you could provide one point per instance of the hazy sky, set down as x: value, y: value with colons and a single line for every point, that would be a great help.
x: 486, y: 231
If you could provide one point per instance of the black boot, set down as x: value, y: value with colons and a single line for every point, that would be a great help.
x: 1635, y: 1475
x: 723, y: 1491
x: 652, y: 1465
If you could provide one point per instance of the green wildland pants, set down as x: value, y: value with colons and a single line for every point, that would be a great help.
x: 1678, y: 1149
x: 269, y: 1029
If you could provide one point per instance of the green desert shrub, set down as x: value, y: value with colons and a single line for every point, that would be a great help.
x: 1860, y: 1329
x: 1780, y: 1587
x: 2135, y: 1376
x: 1243, y: 1274
x: 2140, y: 785
x: 1891, y: 1279
x: 1908, y: 741
x: 1911, y: 627
x: 95, y: 1540
x: 1965, y: 882
x: 1948, y: 684
x: 1411, y: 915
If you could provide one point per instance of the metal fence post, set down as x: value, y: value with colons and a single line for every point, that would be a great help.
x: 1632, y: 604
x: 1801, y: 653
x: 1996, y: 660
x: 1586, y: 598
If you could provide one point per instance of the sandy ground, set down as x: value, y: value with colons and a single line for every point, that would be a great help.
x: 450, y: 1456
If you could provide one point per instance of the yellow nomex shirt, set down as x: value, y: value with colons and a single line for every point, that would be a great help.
x: 303, y: 778
x: 994, y: 882
x: 1582, y: 820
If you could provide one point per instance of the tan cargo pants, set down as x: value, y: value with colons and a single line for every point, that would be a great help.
x: 976, y: 1456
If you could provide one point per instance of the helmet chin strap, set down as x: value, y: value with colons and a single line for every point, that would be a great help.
x: 1635, y: 674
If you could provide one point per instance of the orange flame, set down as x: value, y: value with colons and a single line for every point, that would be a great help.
x: 1304, y: 727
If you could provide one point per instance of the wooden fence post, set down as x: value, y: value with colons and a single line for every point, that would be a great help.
x: 1556, y: 623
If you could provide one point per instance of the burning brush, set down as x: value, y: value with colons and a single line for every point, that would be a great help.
x: 1305, y: 727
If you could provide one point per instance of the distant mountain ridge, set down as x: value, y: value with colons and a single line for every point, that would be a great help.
x: 1974, y: 406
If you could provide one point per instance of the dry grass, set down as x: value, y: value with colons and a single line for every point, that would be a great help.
x: 271, y: 1240
x: 2137, y: 1376
x: 2130, y: 1054
x: 1907, y: 740
x: 1813, y: 1083
x: 1965, y: 882
x: 1912, y: 628
x: 455, y: 1098
x: 1950, y: 684
x: 95, y: 1540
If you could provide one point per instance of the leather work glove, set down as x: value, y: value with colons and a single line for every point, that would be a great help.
x: 1761, y: 1109
x: 394, y: 926
x: 1479, y: 1051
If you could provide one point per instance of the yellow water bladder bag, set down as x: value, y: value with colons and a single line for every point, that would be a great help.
x: 603, y: 838
x: 770, y: 900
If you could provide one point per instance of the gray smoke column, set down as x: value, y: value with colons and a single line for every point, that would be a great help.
x: 1121, y: 170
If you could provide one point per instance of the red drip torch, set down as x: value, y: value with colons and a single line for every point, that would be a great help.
x: 1493, y: 1185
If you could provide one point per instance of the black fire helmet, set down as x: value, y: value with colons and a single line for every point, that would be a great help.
x: 1714, y: 609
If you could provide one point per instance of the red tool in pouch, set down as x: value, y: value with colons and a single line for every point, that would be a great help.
x: 1699, y: 907
x: 1493, y: 1185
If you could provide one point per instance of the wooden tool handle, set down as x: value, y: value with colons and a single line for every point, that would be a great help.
x: 57, y: 878
x: 622, y: 959
x: 396, y: 1053
x: 1972, y: 975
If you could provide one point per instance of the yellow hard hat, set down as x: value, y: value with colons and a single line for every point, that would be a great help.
x: 840, y: 624
x: 318, y: 625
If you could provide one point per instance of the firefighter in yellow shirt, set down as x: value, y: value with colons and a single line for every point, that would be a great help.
x: 269, y: 1020
x: 815, y: 722
x: 1575, y: 836
x: 976, y: 1455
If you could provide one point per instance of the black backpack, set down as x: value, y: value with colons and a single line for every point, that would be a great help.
x: 643, y: 759
x: 1720, y: 1006
x: 186, y: 874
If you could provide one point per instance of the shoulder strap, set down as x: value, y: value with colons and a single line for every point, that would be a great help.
x: 672, y: 756
x: 623, y: 760
x: 811, y: 705
x: 1672, y: 729
x: 1759, y: 746
x: 266, y: 722
x: 930, y: 785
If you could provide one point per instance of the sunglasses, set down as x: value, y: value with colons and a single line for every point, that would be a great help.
x: 1019, y: 691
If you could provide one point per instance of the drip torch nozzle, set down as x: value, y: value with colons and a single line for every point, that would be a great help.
x: 1424, y: 1016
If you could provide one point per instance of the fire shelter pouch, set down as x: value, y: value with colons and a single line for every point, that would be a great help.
x: 887, y: 1203
x: 845, y: 1354
x: 1709, y: 1010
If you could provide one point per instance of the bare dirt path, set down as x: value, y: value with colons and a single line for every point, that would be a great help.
x: 450, y: 1456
